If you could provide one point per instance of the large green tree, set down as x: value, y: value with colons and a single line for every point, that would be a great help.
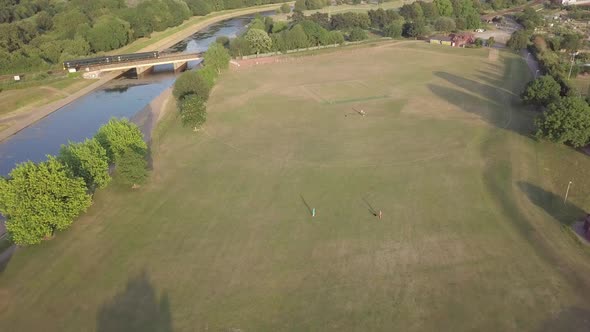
x: 190, y: 82
x: 519, y: 40
x: 566, y: 121
x: 132, y: 168
x: 217, y: 57
x: 193, y: 111
x: 118, y: 135
x: 87, y: 160
x: 445, y: 7
x: 38, y: 199
x: 542, y: 91
x: 259, y: 40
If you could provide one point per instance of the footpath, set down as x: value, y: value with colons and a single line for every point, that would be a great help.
x: 39, y: 113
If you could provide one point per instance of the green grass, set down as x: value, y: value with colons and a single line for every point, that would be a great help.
x: 222, y: 239
x: 36, y: 93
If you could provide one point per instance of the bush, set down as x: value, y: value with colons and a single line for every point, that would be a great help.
x: 192, y: 111
x: 357, y: 34
x: 132, y: 168
x: 190, y: 82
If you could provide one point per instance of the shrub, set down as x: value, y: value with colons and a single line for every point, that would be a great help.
x: 285, y: 8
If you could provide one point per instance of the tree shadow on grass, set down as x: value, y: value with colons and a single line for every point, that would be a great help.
x: 499, y: 182
x: 136, y: 308
x: 571, y: 319
x: 566, y: 213
x: 5, y: 256
x: 489, y: 98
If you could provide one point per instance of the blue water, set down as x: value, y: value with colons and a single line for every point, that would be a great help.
x: 119, y: 98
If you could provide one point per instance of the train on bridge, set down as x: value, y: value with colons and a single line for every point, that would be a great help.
x: 109, y: 59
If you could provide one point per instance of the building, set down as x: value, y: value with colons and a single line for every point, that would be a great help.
x: 441, y: 40
x: 462, y: 39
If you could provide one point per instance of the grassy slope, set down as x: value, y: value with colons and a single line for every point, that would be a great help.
x: 471, y: 237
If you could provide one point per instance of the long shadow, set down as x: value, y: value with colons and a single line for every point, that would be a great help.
x: 566, y: 213
x: 473, y: 96
x: 305, y: 203
x: 499, y: 181
x: 137, y: 308
x: 370, y: 207
x: 5, y: 256
x: 572, y: 319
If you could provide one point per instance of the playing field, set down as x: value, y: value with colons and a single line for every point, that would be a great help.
x: 472, y: 238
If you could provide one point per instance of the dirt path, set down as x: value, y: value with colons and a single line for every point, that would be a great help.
x: 38, y: 113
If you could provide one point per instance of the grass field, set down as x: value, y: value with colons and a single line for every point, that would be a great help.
x: 473, y: 235
x: 39, y: 93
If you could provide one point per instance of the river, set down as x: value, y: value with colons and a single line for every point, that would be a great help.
x: 121, y: 97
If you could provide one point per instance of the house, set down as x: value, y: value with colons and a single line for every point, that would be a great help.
x: 463, y: 38
x: 441, y: 40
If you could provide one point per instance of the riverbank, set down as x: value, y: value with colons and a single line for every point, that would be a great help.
x: 159, y: 42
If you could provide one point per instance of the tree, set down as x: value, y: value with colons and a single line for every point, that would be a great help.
x: 430, y: 10
x: 132, y: 168
x: 38, y: 199
x: 109, y: 33
x: 357, y: 34
x: 223, y: 40
x: 415, y: 29
x: 571, y: 42
x: 259, y: 40
x: 445, y: 7
x: 445, y: 24
x: 118, y: 135
x: 217, y: 57
x: 491, y: 41
x: 394, y: 29
x: 412, y: 12
x: 190, y: 82
x: 87, y: 160
x: 239, y: 46
x: 542, y: 91
x: 193, y: 111
x: 285, y: 8
x: 296, y: 38
x: 566, y: 121
x: 518, y: 40
x: 300, y: 6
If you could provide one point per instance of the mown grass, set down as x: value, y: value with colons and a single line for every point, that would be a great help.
x: 222, y: 237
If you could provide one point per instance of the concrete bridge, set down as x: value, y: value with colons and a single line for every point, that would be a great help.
x: 142, y: 67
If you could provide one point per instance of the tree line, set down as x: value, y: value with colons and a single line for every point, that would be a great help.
x: 38, y: 199
x: 564, y: 115
x: 192, y: 88
x: 37, y: 34
x: 414, y: 20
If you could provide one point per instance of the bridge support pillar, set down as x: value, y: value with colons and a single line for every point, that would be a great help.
x: 179, y: 66
x: 143, y: 70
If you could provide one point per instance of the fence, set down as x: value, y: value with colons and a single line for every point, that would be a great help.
x: 313, y: 48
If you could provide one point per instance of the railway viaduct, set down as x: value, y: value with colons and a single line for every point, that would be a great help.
x: 142, y: 67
